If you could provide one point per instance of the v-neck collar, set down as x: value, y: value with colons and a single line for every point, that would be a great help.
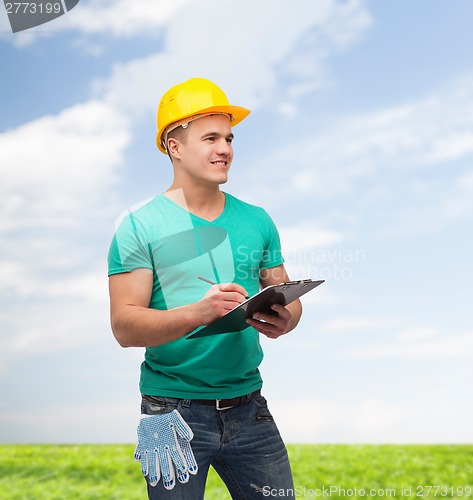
x: 201, y: 220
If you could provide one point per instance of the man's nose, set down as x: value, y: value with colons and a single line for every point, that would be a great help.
x: 224, y: 147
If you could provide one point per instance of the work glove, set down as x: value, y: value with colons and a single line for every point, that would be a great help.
x: 162, y: 440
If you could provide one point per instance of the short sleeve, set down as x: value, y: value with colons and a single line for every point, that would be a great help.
x: 272, y: 255
x: 129, y: 249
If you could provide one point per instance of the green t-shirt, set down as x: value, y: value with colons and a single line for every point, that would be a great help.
x: 179, y: 246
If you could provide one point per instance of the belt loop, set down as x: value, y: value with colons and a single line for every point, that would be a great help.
x: 186, y: 403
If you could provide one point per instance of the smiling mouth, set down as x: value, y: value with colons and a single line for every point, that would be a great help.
x: 219, y: 162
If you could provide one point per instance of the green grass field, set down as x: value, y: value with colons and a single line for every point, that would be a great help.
x: 106, y: 472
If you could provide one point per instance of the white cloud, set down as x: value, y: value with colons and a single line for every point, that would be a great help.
x: 117, y: 18
x: 25, y: 281
x: 80, y: 423
x: 238, y: 21
x: 418, y: 344
x: 321, y: 297
x: 54, y: 169
x: 56, y: 172
x: 122, y: 18
x: 307, y: 235
x: 373, y: 160
x: 372, y: 420
x: 69, y: 308
x: 458, y: 204
x: 359, y: 323
x: 414, y: 334
x: 288, y: 110
x: 363, y: 146
x: 13, y: 278
x: 277, y: 41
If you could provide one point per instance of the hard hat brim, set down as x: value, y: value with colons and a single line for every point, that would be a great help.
x: 238, y: 114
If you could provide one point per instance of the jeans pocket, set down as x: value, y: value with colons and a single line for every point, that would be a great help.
x: 152, y: 405
x: 260, y: 401
x: 264, y: 417
x: 262, y: 411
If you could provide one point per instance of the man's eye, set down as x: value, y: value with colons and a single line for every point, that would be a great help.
x: 229, y: 140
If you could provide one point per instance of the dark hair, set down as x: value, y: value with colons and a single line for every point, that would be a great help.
x: 178, y: 133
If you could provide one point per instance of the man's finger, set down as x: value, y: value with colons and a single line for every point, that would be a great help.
x: 233, y: 287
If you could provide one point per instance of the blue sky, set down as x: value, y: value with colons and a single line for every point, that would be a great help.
x: 360, y: 146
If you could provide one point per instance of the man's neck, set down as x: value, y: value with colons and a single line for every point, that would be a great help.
x: 207, y: 203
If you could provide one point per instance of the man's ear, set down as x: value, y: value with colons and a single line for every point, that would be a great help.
x: 174, y: 148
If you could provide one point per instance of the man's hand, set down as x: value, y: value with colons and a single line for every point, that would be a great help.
x: 272, y: 325
x: 219, y: 300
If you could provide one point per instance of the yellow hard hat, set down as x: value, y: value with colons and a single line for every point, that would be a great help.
x: 192, y: 99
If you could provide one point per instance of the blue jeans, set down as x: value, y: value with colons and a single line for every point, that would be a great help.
x: 242, y: 444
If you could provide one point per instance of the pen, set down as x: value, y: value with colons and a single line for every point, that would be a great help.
x: 206, y: 280
x: 211, y: 282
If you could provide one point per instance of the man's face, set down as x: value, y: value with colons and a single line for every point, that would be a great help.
x: 206, y: 151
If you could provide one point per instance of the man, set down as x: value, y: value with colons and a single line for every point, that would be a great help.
x: 201, y: 400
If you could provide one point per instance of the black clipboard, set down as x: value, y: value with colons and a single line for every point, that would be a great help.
x: 235, y: 320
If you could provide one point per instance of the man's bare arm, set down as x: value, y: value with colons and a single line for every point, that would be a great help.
x: 134, y: 324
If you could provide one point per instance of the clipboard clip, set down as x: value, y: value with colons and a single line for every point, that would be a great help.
x: 301, y: 282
